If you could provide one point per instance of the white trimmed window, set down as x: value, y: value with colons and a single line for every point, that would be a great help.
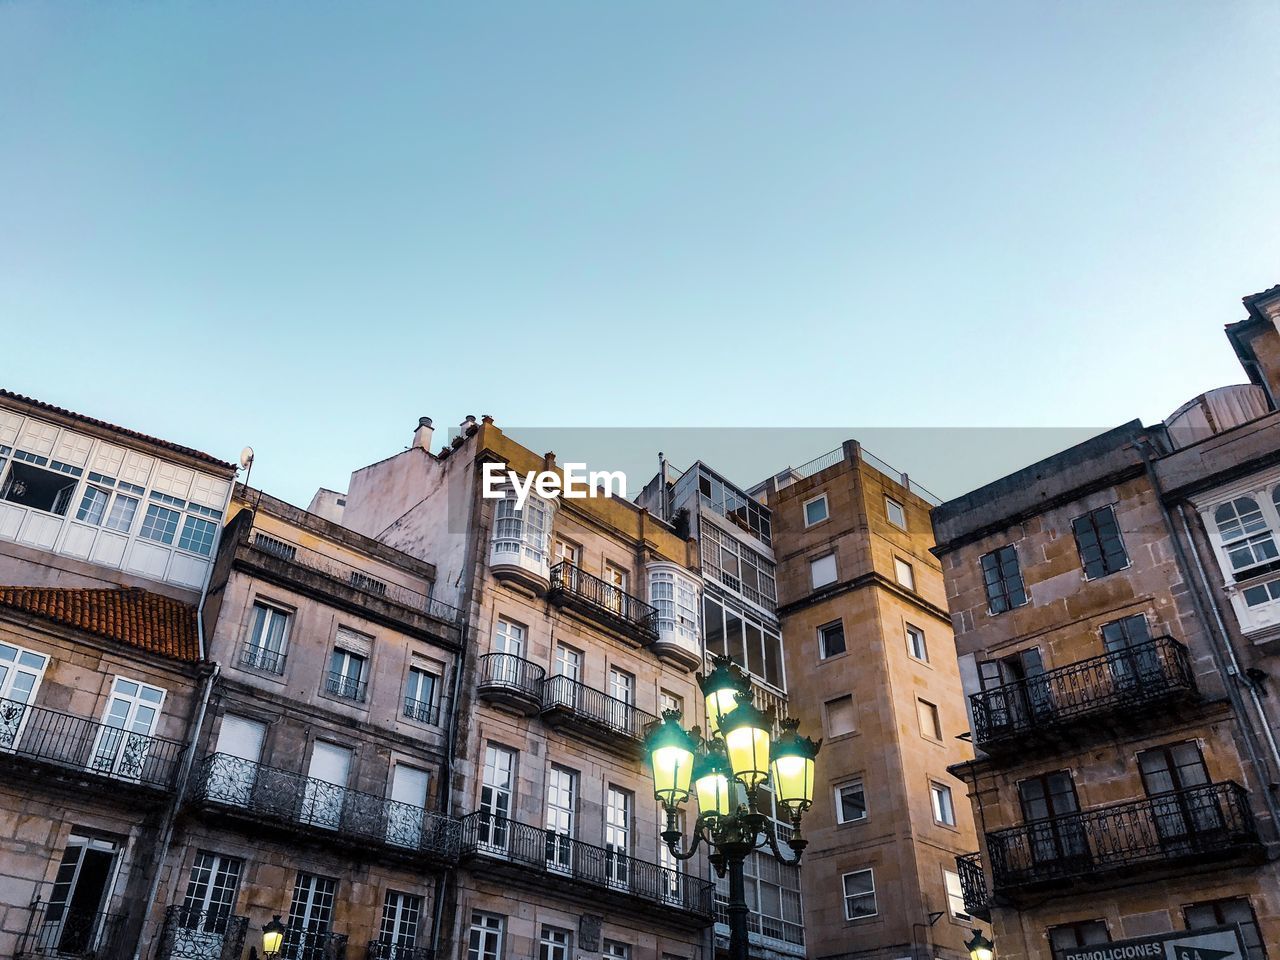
x: 822, y: 571
x: 675, y: 596
x: 522, y: 532
x: 916, y: 645
x: 904, y: 573
x: 859, y: 894
x: 955, y: 896
x: 831, y: 639
x: 944, y: 810
x: 1245, y: 533
x: 816, y: 510
x: 894, y: 513
x: 851, y: 802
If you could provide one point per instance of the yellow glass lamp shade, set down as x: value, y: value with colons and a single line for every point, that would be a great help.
x: 980, y: 948
x: 722, y: 688
x: 273, y: 936
x: 713, y: 783
x: 670, y: 751
x: 791, y: 767
x: 746, y: 739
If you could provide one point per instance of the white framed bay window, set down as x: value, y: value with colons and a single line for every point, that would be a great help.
x: 1243, y: 526
x: 674, y: 593
x: 522, y: 534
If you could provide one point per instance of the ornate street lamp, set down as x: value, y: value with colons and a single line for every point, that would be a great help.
x: 272, y: 938
x: 980, y: 948
x: 740, y: 753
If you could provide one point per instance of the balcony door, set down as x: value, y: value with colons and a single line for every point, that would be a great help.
x: 240, y: 742
x: 74, y: 922
x: 326, y: 787
x: 203, y: 926
x: 1183, y: 807
x: 562, y: 804
x: 568, y: 665
x: 617, y: 838
x: 496, y: 794
x: 124, y: 738
x: 615, y: 591
x: 1131, y: 656
x: 622, y: 689
x: 20, y: 674
x: 508, y: 639
x: 310, y: 917
x: 398, y: 934
x: 1051, y: 812
x: 1018, y: 695
x: 406, y: 812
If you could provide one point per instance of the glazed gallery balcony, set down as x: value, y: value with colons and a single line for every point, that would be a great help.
x: 591, y: 713
x: 599, y: 875
x: 1127, y: 684
x: 37, y: 738
x: 270, y: 798
x: 603, y: 602
x: 1210, y: 823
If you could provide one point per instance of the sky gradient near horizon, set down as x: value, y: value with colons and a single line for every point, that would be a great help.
x: 303, y: 225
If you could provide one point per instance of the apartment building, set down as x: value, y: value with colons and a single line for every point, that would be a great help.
x: 321, y: 768
x: 735, y: 540
x: 1115, y: 623
x: 583, y: 616
x: 106, y: 538
x: 863, y: 611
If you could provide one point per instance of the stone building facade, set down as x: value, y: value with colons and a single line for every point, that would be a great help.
x: 863, y: 611
x: 1113, y: 616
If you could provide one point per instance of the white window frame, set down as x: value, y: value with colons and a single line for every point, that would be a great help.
x: 889, y: 502
x: 486, y: 935
x: 1236, y: 583
x: 955, y: 896
x: 822, y: 640
x: 912, y: 631
x: 899, y: 566
x: 813, y: 570
x: 839, y: 790
x: 942, y: 800
x: 675, y: 596
x: 826, y: 510
x: 846, y: 896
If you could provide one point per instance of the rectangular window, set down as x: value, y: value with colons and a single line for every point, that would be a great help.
x: 93, y: 506
x: 822, y: 571
x: 955, y: 896
x: 1002, y: 578
x: 420, y: 695
x: 1263, y: 593
x: 268, y: 639
x: 831, y: 639
x: 930, y: 723
x: 670, y: 701
x: 508, y: 638
x: 39, y: 489
x: 120, y: 516
x: 484, y: 939
x: 1099, y: 542
x: 894, y: 512
x: 159, y: 524
x: 567, y: 552
x: 1245, y: 534
x: 554, y: 943
x: 401, y: 913
x: 1223, y: 913
x: 615, y: 950
x: 815, y: 510
x: 851, y: 802
x: 497, y: 792
x: 617, y: 837
x: 346, y: 675
x: 916, y: 645
x: 840, y: 716
x: 1084, y: 933
x: 859, y: 895
x: 310, y: 914
x: 904, y: 573
x: 122, y: 745
x: 562, y: 804
x: 944, y: 811
x: 197, y: 536
x: 211, y: 892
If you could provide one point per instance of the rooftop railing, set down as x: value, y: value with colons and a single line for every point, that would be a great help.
x: 1122, y: 680
x: 77, y: 743
x: 1192, y: 824
x: 604, y: 599
x: 259, y: 792
x: 556, y: 855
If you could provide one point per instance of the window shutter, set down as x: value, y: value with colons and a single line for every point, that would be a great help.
x: 353, y: 642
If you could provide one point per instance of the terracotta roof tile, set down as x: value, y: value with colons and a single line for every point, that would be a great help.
x: 177, y: 447
x: 129, y: 615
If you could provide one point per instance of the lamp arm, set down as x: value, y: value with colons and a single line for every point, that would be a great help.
x: 671, y: 836
x: 796, y: 842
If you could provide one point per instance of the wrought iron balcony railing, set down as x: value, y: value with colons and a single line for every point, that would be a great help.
x: 389, y: 950
x: 578, y: 703
x: 422, y: 710
x: 313, y: 945
x: 62, y: 932
x: 1203, y: 822
x: 973, y: 885
x: 260, y: 658
x: 192, y: 934
x: 556, y: 855
x: 604, y: 600
x: 257, y: 792
x: 1120, y: 681
x: 348, y: 688
x: 86, y: 745
x: 509, y: 672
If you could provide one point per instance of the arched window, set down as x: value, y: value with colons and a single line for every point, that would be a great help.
x: 1246, y: 538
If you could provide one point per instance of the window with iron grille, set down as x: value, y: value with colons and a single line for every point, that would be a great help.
x: 1099, y: 542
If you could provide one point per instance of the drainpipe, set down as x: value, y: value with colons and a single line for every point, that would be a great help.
x: 1219, y: 639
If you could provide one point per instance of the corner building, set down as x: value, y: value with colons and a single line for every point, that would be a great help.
x: 1115, y: 620
x: 583, y: 625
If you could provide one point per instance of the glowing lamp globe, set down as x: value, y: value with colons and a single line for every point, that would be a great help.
x: 721, y: 688
x: 713, y: 783
x: 746, y: 738
x: 980, y: 948
x: 670, y: 751
x: 273, y: 936
x: 791, y: 767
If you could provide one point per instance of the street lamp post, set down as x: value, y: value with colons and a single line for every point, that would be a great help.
x: 740, y: 749
x: 272, y: 938
x: 979, y: 947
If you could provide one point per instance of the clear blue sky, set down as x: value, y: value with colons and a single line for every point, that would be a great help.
x: 303, y: 224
